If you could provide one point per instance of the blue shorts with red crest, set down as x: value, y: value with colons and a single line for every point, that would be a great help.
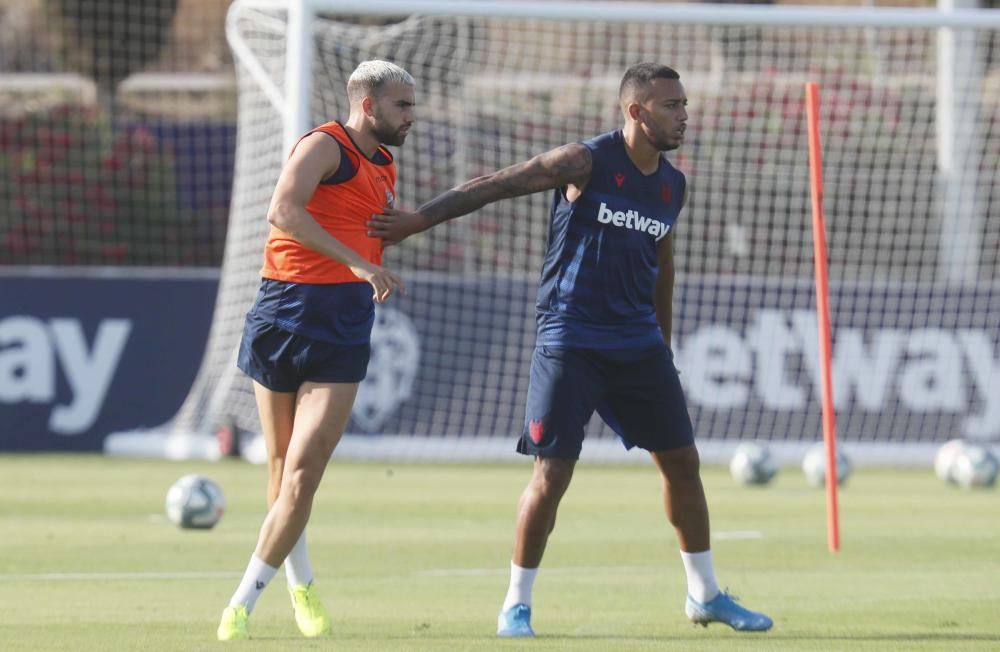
x: 636, y: 391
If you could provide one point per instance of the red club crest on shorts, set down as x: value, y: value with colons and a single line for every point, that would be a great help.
x: 536, y: 429
x: 666, y: 194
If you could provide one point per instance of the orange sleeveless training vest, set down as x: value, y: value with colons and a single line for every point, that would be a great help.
x: 341, y: 206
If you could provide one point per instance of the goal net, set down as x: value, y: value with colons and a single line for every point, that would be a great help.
x: 910, y: 124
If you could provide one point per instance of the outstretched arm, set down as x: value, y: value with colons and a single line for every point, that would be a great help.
x: 568, y: 165
x: 562, y: 167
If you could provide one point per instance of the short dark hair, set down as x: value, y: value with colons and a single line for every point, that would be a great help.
x: 640, y: 75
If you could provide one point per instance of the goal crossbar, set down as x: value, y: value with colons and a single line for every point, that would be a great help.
x: 639, y: 12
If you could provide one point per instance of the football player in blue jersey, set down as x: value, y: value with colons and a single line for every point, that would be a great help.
x: 604, y: 313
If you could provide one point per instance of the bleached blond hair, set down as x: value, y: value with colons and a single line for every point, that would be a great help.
x: 370, y: 76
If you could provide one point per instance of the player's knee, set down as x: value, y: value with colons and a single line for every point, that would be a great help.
x: 552, y: 478
x: 680, y: 467
x: 300, y: 486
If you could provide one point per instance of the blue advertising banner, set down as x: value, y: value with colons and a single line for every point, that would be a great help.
x: 911, y: 362
x: 81, y: 356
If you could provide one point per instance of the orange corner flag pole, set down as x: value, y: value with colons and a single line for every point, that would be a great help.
x: 823, y: 315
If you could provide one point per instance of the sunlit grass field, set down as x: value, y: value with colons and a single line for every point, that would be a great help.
x: 415, y: 557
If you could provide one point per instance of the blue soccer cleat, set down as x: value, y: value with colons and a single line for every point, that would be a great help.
x: 723, y: 609
x: 516, y: 621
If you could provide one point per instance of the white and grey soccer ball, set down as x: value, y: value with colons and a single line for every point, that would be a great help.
x: 752, y: 464
x: 975, y: 467
x: 944, y: 460
x: 814, y: 466
x: 195, y: 501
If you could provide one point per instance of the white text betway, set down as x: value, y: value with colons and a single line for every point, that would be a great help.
x: 927, y: 370
x: 31, y: 349
x: 631, y: 220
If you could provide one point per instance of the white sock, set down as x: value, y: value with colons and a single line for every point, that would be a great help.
x: 298, y: 570
x: 519, y: 591
x: 253, y: 583
x: 700, y: 575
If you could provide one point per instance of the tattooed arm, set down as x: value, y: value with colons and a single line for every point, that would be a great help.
x: 564, y: 167
x: 568, y: 165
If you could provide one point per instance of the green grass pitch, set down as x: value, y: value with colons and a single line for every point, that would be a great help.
x: 415, y: 557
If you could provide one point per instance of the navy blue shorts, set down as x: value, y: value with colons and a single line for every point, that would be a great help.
x: 282, y: 361
x: 637, y: 393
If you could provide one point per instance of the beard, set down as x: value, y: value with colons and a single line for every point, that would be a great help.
x: 660, y: 139
x: 665, y: 144
x: 388, y: 134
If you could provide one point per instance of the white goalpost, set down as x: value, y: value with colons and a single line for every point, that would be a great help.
x: 910, y: 119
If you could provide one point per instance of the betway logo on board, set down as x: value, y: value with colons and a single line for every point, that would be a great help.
x: 32, y: 351
x: 927, y: 370
x: 631, y: 220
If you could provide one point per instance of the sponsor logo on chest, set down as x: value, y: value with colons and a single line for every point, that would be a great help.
x: 631, y: 219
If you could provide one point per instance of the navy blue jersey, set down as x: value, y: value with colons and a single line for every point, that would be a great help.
x: 600, y: 265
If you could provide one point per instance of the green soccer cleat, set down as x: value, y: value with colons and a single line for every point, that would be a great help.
x: 310, y: 615
x: 234, y: 624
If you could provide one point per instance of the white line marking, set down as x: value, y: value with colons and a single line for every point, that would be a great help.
x: 569, y: 570
x: 460, y: 572
x: 78, y: 577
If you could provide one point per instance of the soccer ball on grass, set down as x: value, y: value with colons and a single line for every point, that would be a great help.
x: 974, y: 467
x: 944, y: 460
x: 814, y: 466
x: 752, y: 464
x: 195, y: 501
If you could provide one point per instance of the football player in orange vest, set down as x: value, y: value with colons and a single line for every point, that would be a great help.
x: 306, y: 341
